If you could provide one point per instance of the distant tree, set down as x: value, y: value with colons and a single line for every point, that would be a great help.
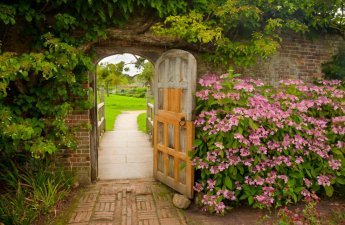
x: 146, y: 76
x: 111, y: 74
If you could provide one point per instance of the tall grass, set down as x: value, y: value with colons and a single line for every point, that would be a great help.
x: 31, y: 189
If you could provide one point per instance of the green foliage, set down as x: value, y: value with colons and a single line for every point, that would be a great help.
x: 111, y: 74
x: 31, y: 190
x: 37, y: 92
x: 241, y: 31
x: 146, y: 76
x: 15, y: 210
x: 136, y: 92
x: 89, y: 18
x: 141, y: 120
x: 43, y: 79
x: 335, y: 69
x: 7, y: 14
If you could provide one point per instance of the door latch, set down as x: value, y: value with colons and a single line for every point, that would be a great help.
x: 182, y: 122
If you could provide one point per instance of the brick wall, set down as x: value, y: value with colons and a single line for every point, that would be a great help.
x: 298, y: 58
x: 79, y: 160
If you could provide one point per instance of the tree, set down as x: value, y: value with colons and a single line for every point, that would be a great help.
x: 241, y: 31
x: 146, y: 76
x: 112, y: 74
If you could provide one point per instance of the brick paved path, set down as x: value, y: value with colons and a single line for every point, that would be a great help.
x: 147, y: 202
x: 127, y: 202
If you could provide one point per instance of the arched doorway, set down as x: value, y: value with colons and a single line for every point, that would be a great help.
x: 175, y: 77
x: 124, y: 152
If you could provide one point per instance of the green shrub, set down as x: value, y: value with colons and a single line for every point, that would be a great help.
x: 268, y: 147
x: 335, y: 69
x: 137, y: 92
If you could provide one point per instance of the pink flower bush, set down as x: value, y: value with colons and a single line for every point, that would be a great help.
x: 268, y: 146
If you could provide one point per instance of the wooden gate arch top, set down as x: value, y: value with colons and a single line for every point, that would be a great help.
x: 174, y: 88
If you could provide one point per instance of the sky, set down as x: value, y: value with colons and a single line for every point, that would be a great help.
x: 127, y: 58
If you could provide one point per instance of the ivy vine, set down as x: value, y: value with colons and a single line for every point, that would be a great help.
x: 44, y: 81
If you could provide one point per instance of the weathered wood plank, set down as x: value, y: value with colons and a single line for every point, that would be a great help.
x: 174, y: 82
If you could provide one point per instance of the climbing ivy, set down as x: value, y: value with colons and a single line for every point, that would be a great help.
x: 43, y: 68
x: 80, y: 21
x: 37, y: 92
x: 44, y: 74
x: 241, y: 31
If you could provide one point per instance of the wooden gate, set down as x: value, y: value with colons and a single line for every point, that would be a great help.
x: 174, y: 85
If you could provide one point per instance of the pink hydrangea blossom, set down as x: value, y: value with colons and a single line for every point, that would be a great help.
x: 340, y: 144
x: 292, y: 82
x: 265, y: 200
x: 209, y: 80
x: 244, y: 86
x: 307, y: 182
x: 299, y: 160
x: 211, y: 184
x: 220, y: 207
x: 227, y: 194
x: 331, y: 82
x: 323, y: 180
x: 338, y: 119
x: 204, y: 94
x: 334, y: 164
x: 203, y: 165
x: 198, y: 187
x: 284, y: 178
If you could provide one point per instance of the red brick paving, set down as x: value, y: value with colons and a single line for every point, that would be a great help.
x: 147, y: 202
x: 127, y: 202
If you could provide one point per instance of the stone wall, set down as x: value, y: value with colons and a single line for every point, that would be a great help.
x: 298, y: 58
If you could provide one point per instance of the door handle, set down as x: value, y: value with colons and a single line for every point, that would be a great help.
x: 182, y: 122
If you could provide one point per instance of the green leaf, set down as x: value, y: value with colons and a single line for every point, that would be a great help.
x: 240, y: 130
x: 110, y: 10
x: 240, y: 168
x: 228, y: 183
x: 253, y: 125
x: 337, y: 151
x: 250, y: 200
x: 298, y: 189
x: 340, y: 180
x: 244, y: 196
x: 197, y: 142
x: 329, y: 190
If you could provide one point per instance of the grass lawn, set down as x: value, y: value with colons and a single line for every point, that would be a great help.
x: 141, y: 120
x: 115, y: 104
